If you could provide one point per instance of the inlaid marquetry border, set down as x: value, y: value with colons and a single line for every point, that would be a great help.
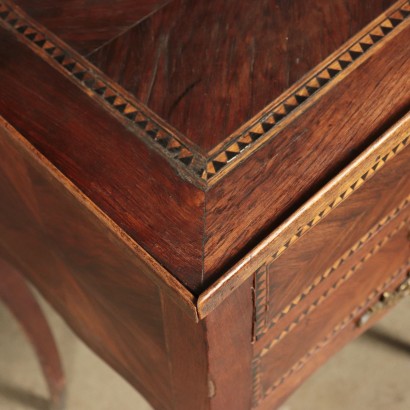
x: 259, y: 393
x: 263, y: 324
x: 199, y: 168
x: 109, y: 94
x: 364, y: 167
x: 340, y: 198
x: 263, y: 128
x: 317, y: 302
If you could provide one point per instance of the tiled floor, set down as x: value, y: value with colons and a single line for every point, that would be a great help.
x: 372, y: 373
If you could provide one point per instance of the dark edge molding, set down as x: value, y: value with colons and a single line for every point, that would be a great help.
x: 261, y: 393
x: 189, y: 162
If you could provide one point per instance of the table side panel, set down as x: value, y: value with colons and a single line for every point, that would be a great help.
x: 339, y: 271
x: 129, y: 181
x: 97, y: 283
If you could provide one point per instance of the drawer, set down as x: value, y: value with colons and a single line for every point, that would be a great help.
x: 311, y: 264
x: 382, y: 264
x: 339, y: 269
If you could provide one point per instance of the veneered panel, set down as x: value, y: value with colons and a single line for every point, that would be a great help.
x: 101, y: 287
x: 208, y: 66
x: 384, y: 198
x: 334, y: 276
x: 122, y: 175
x: 274, y: 362
x: 231, y: 348
x: 188, y: 360
x: 342, y: 333
x: 85, y: 24
x: 258, y: 194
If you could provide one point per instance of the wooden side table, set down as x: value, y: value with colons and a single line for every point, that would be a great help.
x: 214, y: 193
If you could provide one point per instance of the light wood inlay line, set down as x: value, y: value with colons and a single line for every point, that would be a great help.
x: 260, y: 393
x: 310, y: 214
x: 334, y: 287
x: 262, y: 325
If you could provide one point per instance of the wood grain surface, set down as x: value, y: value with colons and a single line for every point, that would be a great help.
x: 88, y: 273
x: 87, y: 25
x: 187, y: 347
x: 385, y: 198
x: 105, y: 291
x: 191, y: 161
x: 315, y: 300
x: 231, y: 348
x: 232, y: 57
x: 340, y: 335
x: 123, y: 176
x: 275, y: 360
x: 214, y: 237
x: 319, y: 206
x: 267, y: 187
x: 134, y: 227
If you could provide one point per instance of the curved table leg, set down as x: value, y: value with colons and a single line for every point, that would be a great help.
x: 20, y: 301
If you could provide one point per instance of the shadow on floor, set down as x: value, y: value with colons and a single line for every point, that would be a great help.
x: 24, y: 397
x: 385, y: 338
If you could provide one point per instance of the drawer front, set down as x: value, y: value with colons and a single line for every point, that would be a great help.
x: 381, y: 265
x: 311, y: 263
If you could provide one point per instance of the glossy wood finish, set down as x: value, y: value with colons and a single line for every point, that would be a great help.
x: 278, y: 329
x: 275, y: 361
x: 233, y: 57
x: 187, y: 358
x: 350, y: 226
x: 230, y: 348
x: 319, y: 206
x: 210, y: 363
x: 87, y: 25
x: 18, y: 298
x: 279, y: 177
x: 109, y: 291
x: 134, y: 187
x: 342, y: 333
x: 160, y: 239
x: 214, y: 237
x: 83, y: 268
